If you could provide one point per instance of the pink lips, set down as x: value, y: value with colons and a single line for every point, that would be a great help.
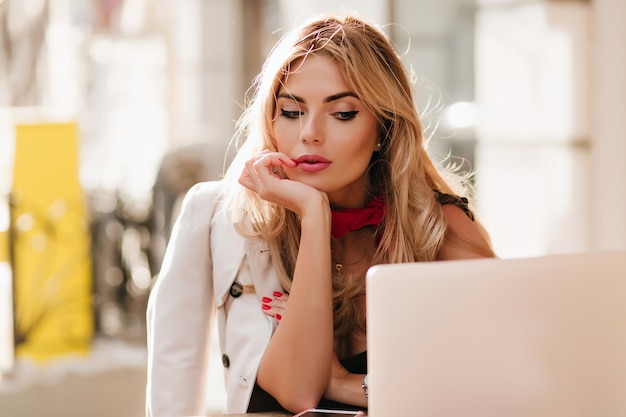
x: 312, y: 163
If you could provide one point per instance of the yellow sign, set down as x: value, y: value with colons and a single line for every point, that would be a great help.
x: 6, y: 291
x: 51, y: 244
x: 4, y: 229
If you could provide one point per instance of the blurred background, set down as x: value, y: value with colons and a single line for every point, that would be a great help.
x: 111, y: 109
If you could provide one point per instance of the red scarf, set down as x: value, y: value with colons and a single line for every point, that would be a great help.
x: 346, y: 220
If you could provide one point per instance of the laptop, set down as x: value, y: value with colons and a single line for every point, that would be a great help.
x: 533, y: 337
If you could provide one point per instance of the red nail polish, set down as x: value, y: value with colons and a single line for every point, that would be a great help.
x: 278, y: 317
x: 277, y: 294
x: 266, y: 300
x: 265, y: 307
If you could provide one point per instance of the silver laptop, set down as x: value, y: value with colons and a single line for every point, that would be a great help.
x: 498, y: 337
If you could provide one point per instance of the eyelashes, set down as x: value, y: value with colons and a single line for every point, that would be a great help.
x: 346, y: 115
x: 290, y: 114
x: 340, y: 115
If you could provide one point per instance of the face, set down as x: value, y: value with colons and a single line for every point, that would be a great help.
x: 326, y: 129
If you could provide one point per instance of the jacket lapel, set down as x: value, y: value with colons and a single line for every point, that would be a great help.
x: 227, y: 251
x: 263, y: 273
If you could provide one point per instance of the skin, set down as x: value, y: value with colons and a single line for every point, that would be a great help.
x: 325, y: 138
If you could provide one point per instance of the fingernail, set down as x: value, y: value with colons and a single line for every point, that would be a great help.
x: 278, y: 317
x: 265, y: 307
x: 277, y: 294
x: 266, y: 300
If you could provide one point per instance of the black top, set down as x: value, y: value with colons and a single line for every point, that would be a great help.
x: 460, y: 202
x: 261, y: 401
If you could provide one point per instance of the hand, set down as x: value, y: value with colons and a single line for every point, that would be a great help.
x: 261, y: 174
x: 275, y: 305
x: 345, y: 387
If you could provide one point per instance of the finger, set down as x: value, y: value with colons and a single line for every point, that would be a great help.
x: 279, y: 299
x: 249, y: 177
x: 279, y: 303
x: 251, y: 174
x: 252, y: 169
x: 272, y: 311
x: 245, y: 180
x: 277, y: 158
x: 270, y: 306
x: 269, y: 165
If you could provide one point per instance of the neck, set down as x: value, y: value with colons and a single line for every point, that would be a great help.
x: 353, y: 245
x: 349, y: 200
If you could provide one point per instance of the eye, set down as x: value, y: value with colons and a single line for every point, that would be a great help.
x: 346, y: 115
x: 290, y: 114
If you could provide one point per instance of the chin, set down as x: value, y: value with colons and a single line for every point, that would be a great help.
x: 318, y: 185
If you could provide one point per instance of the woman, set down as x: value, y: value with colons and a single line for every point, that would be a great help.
x: 333, y: 177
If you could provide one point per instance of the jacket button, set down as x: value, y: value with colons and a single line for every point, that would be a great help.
x: 236, y: 289
x: 225, y: 360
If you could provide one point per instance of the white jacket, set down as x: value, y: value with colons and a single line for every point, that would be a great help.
x: 204, y: 257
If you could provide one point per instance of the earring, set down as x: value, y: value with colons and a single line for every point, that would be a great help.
x: 379, y: 145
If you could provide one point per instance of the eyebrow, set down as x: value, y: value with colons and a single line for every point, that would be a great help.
x: 326, y: 100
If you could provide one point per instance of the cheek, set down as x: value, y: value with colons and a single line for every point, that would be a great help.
x: 367, y: 140
x: 282, y: 134
x: 368, y: 132
x: 359, y: 154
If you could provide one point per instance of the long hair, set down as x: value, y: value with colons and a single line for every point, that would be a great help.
x: 401, y: 173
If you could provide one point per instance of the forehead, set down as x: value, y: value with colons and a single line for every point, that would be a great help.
x: 314, y: 72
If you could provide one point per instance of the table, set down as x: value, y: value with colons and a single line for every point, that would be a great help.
x: 271, y: 414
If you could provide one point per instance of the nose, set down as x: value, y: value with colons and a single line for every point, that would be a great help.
x: 312, y: 130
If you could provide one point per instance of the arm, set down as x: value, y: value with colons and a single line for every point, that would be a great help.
x: 466, y: 238
x: 179, y: 315
x: 295, y: 368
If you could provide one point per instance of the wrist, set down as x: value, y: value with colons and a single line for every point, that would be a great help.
x: 365, y: 387
x: 316, y: 214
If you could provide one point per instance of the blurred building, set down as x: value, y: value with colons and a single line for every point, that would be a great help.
x: 528, y: 94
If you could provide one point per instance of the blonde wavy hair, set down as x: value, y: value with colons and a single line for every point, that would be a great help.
x: 402, y: 172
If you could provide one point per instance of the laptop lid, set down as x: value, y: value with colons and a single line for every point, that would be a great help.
x: 531, y: 337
